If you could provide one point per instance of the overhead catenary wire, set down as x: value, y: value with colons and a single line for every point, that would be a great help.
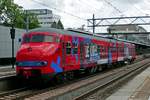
x: 114, y: 7
x: 89, y: 5
x: 57, y: 9
x: 138, y: 9
x: 92, y: 6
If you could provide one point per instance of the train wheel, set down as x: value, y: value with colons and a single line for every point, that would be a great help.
x: 100, y: 68
x: 88, y: 70
x: 127, y: 62
x: 57, y: 79
x: 64, y: 77
x: 70, y: 75
x: 77, y: 74
x: 60, y: 78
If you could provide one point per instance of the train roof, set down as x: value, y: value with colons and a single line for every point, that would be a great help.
x: 67, y: 32
x: 73, y: 33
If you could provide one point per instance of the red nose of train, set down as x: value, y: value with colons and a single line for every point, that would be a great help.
x: 35, y: 51
x: 35, y: 57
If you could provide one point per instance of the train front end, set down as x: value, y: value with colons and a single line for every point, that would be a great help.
x: 38, y: 51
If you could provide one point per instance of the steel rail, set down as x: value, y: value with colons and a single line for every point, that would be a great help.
x: 24, y: 92
x: 68, y: 92
x: 128, y: 73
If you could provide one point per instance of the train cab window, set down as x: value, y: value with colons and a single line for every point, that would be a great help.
x: 68, y: 48
x: 37, y: 38
x: 49, y: 39
x: 26, y: 39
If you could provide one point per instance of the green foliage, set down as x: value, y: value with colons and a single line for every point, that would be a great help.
x: 33, y: 22
x: 13, y: 14
x: 58, y: 25
x: 54, y: 25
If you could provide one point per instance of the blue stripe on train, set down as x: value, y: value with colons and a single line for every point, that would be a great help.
x: 56, y: 66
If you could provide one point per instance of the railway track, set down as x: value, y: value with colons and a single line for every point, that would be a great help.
x: 24, y: 92
x: 80, y: 89
x: 76, y: 89
x: 98, y: 93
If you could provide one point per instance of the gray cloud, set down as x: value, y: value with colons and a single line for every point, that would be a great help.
x: 54, y: 3
x: 129, y: 1
x: 85, y: 9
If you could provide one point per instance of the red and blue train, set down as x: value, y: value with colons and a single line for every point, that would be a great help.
x: 47, y: 52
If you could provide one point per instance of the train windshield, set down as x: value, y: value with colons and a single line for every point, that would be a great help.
x: 38, y: 38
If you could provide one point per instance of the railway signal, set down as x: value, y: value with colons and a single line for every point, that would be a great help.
x: 12, y: 33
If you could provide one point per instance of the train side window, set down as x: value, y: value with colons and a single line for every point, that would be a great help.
x: 104, y: 51
x: 98, y: 49
x: 113, y: 49
x: 87, y: 51
x: 68, y: 48
x: 57, y: 39
x: 75, y: 48
x: 95, y: 49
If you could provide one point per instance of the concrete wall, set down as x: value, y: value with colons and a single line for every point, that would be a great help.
x: 5, y: 41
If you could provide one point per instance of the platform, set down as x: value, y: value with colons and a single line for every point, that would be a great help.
x: 136, y: 89
x: 7, y: 70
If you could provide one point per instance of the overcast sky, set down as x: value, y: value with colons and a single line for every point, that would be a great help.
x: 75, y: 12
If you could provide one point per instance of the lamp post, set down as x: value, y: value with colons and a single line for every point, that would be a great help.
x: 12, y: 33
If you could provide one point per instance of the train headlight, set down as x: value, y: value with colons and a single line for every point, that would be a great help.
x: 43, y: 63
x: 19, y: 63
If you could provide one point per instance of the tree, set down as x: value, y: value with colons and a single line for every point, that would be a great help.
x: 60, y: 25
x: 12, y: 14
x: 54, y: 25
x: 33, y: 22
